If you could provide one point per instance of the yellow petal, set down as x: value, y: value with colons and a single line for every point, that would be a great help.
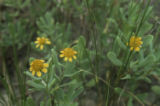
x: 74, y: 57
x: 31, y: 69
x: 35, y: 41
x: 31, y: 63
x: 42, y: 61
x: 127, y: 43
x: 48, y: 42
x: 62, y: 51
x: 41, y: 47
x: 65, y: 59
x: 70, y: 59
x: 38, y: 38
x: 45, y: 64
x: 39, y: 74
x: 75, y: 52
x: 137, y: 49
x: 61, y: 55
x: 44, y: 70
x: 133, y: 37
x: 131, y: 48
x: 139, y: 38
x: 37, y: 45
x: 141, y: 42
x: 33, y: 73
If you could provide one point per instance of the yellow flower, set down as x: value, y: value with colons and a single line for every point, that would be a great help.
x: 41, y: 41
x: 68, y: 54
x: 135, y: 43
x: 37, y: 66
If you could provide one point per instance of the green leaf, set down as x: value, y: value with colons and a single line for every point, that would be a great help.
x: 142, y: 96
x: 146, y: 27
x: 91, y: 83
x: 130, y: 102
x: 54, y: 55
x: 48, y: 102
x: 67, y: 103
x: 81, y: 46
x: 3, y: 101
x: 112, y: 57
x: 148, y: 80
x: 31, y: 59
x: 77, y: 92
x: 36, y: 85
x: 56, y: 61
x: 147, y: 61
x: 74, y: 90
x: 128, y: 76
x: 120, y: 43
x: 82, y: 41
x: 133, y: 64
x: 147, y: 40
x: 51, y: 83
x: 30, y: 102
x: 156, y: 89
x: 72, y: 74
x: 42, y: 103
x: 120, y: 91
x: 69, y: 69
x: 117, y: 90
x: 46, y: 24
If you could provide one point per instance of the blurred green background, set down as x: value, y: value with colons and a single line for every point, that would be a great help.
x: 104, y: 24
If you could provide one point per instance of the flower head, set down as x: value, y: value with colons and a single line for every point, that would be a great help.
x: 68, y: 54
x: 135, y: 43
x: 41, y: 41
x: 37, y: 66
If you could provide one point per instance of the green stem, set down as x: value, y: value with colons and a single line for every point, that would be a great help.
x: 107, y: 100
x: 21, y: 83
x: 142, y: 20
x: 6, y: 81
x: 48, y: 89
x: 95, y: 70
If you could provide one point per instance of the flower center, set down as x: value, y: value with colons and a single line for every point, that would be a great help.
x: 37, y: 65
x: 135, y: 42
x: 42, y: 41
x: 69, y: 52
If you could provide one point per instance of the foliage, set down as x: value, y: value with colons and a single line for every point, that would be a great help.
x: 99, y: 31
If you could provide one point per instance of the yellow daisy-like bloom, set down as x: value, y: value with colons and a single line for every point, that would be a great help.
x: 68, y: 54
x: 41, y: 41
x: 37, y: 66
x: 135, y: 43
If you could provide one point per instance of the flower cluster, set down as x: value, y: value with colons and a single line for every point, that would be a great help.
x: 68, y: 54
x: 41, y: 41
x: 135, y: 43
x: 37, y: 66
